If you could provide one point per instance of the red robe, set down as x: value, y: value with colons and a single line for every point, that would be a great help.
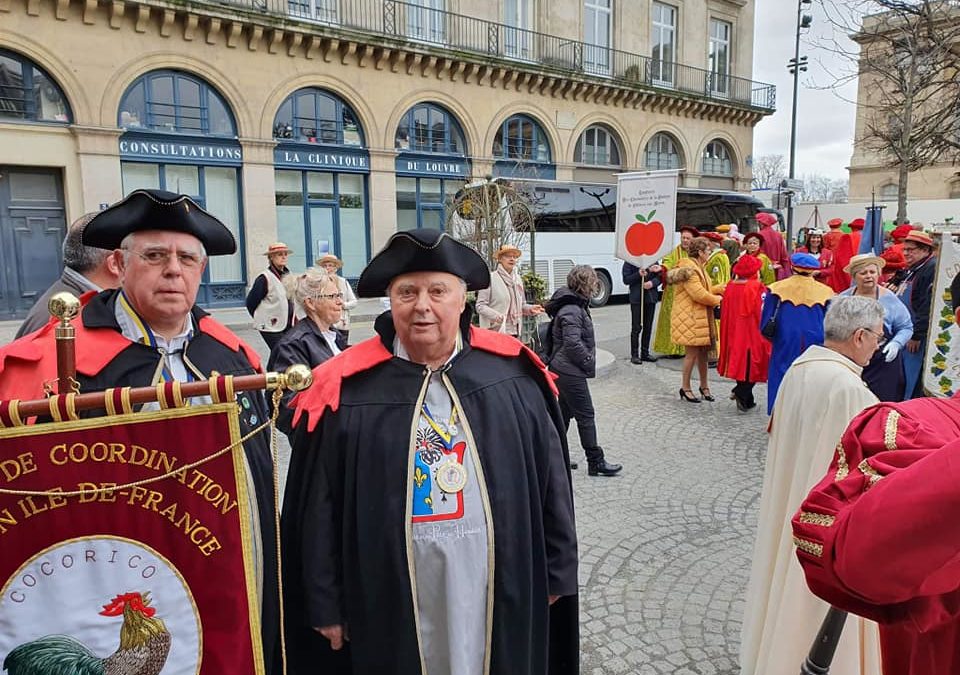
x: 832, y: 238
x: 776, y: 249
x: 744, y: 353
x: 839, y: 280
x: 826, y: 264
x: 878, y: 535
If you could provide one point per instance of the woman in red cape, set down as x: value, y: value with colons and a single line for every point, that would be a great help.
x: 744, y: 354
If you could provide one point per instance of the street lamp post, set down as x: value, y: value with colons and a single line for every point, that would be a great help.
x: 796, y: 65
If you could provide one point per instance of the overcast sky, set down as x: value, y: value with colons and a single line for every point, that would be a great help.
x: 824, y: 121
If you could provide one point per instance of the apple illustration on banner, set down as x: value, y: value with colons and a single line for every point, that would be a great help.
x: 645, y: 236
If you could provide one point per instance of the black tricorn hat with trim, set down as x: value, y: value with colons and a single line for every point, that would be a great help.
x: 158, y: 210
x: 422, y: 250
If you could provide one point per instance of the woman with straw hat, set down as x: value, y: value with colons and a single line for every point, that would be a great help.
x: 267, y: 300
x: 331, y: 264
x: 884, y: 374
x: 502, y: 305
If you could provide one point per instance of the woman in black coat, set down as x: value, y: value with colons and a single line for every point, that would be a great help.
x: 313, y: 339
x: 574, y: 359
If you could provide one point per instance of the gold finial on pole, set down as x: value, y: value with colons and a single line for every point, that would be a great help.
x: 65, y: 306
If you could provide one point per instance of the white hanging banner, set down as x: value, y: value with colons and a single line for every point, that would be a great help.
x: 941, y: 367
x: 646, y: 216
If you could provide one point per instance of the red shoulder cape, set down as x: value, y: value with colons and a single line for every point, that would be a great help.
x: 329, y: 375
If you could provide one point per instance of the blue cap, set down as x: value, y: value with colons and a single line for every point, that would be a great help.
x: 804, y: 261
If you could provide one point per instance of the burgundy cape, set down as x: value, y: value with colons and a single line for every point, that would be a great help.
x: 744, y: 354
x: 878, y: 535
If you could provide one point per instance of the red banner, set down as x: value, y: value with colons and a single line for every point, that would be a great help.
x: 155, y: 574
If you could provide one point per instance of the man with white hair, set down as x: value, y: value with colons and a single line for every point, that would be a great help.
x: 821, y: 392
x: 428, y: 518
x: 150, y: 331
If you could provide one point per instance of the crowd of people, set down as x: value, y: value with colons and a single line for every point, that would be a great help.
x: 428, y: 522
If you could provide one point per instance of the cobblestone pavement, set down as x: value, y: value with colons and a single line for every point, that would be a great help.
x: 664, y: 547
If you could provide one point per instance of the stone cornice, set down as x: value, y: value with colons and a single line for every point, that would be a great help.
x: 240, y: 28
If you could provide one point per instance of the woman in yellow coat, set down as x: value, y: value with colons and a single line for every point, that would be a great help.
x: 691, y: 322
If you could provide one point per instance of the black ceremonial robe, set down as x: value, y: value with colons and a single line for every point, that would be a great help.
x: 107, y: 359
x: 345, y: 542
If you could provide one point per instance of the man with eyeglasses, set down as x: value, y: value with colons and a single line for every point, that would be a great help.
x: 916, y: 292
x: 878, y: 534
x: 821, y: 392
x: 149, y: 331
x: 428, y: 521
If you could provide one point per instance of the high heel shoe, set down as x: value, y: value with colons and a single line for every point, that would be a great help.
x: 691, y: 398
x: 707, y: 396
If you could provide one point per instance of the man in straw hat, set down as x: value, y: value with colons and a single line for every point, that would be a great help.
x: 916, y: 291
x: 267, y: 300
x: 884, y: 373
x: 331, y: 264
x: 429, y: 514
x: 149, y: 331
x: 796, y: 306
x: 877, y: 535
x: 502, y: 305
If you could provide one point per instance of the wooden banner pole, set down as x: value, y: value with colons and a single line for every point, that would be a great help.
x: 65, y: 306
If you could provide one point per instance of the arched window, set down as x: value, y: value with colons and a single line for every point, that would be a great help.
x: 312, y: 115
x: 597, y: 146
x: 522, y: 139
x: 427, y: 127
x: 889, y: 191
x: 28, y: 93
x: 176, y: 102
x: 661, y: 153
x: 716, y: 160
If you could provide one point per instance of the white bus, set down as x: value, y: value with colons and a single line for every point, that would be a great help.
x: 575, y: 222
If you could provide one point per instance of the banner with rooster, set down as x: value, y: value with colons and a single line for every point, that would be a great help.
x: 127, y: 547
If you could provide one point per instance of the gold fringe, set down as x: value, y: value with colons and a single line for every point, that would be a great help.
x: 890, y: 430
x: 812, y: 518
x: 842, y: 468
x: 807, y: 546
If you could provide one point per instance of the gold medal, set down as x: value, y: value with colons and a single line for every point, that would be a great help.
x: 451, y: 476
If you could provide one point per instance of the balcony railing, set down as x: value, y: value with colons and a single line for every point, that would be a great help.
x: 438, y: 28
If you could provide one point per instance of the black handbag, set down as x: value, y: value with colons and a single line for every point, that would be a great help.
x: 769, y: 329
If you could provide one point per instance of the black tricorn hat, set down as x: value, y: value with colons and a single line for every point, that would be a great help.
x: 422, y: 250
x: 158, y: 210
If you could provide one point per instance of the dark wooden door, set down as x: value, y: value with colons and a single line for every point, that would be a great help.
x: 32, y: 228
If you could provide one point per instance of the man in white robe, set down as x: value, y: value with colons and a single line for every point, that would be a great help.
x: 820, y: 394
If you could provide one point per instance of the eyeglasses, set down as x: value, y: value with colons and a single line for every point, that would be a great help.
x: 881, y: 338
x: 161, y: 257
x: 329, y: 296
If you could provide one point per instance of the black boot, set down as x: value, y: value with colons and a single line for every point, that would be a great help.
x: 598, y: 466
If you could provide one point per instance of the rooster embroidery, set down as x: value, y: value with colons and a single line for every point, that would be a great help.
x: 144, y: 645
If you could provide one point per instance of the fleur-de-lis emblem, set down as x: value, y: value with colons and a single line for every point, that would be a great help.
x: 419, y: 476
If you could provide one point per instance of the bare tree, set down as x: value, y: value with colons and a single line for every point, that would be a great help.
x: 907, y: 65
x: 489, y: 214
x: 768, y: 171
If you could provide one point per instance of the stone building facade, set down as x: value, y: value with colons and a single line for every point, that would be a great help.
x: 329, y: 124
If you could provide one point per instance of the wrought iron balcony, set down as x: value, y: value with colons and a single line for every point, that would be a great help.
x: 434, y: 28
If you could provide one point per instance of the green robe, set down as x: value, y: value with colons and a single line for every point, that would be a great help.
x: 662, y: 343
x: 718, y: 272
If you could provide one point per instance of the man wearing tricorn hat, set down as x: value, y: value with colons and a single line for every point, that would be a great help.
x: 149, y: 331
x: 429, y: 515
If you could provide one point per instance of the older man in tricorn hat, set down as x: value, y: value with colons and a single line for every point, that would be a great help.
x: 149, y: 331
x: 429, y: 514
